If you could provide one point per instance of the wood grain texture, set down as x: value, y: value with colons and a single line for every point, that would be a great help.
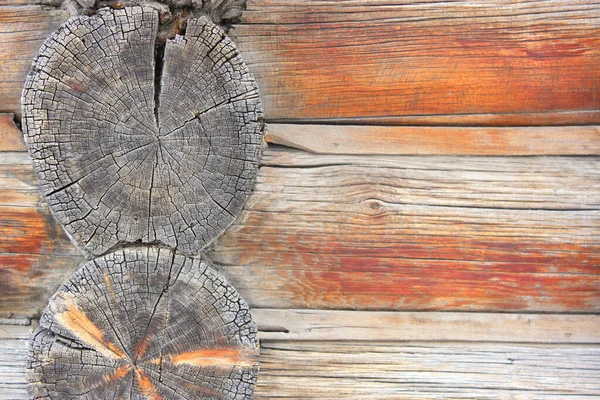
x: 419, y: 233
x: 465, y: 63
x: 35, y: 254
x: 388, y: 370
x: 451, y: 371
x: 11, y: 137
x: 417, y: 140
x: 144, y: 323
x: 374, y: 326
x: 23, y: 29
x: 565, y: 118
x: 176, y: 167
x: 377, y: 233
x: 387, y: 58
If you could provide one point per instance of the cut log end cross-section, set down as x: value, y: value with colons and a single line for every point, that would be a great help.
x: 138, y: 143
x: 144, y: 323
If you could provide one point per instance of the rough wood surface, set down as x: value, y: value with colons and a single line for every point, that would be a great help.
x: 451, y: 371
x: 388, y: 370
x: 23, y: 29
x: 372, y: 326
x: 408, y: 62
x: 386, y: 58
x: 419, y: 233
x: 382, y: 233
x: 35, y: 254
x: 11, y: 137
x: 144, y: 323
x: 176, y: 167
x: 417, y: 140
x: 566, y: 118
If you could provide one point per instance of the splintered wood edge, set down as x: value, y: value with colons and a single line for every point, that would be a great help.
x: 144, y: 321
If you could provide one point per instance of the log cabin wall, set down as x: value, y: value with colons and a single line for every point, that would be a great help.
x: 426, y: 219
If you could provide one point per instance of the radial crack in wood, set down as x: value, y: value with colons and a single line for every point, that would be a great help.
x: 144, y: 323
x: 122, y: 160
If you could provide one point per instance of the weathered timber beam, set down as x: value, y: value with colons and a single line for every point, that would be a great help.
x: 132, y: 146
x: 355, y: 369
x: 382, y: 233
x: 421, y: 140
x: 333, y: 325
x: 500, y: 63
x: 408, y: 58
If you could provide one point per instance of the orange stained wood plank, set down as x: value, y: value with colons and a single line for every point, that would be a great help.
x: 11, y: 137
x: 357, y: 139
x: 377, y: 232
x: 344, y: 59
x: 419, y: 233
x: 35, y: 254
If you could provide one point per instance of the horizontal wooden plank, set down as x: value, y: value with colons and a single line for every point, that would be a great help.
x: 419, y: 233
x: 329, y: 370
x: 365, y: 370
x: 11, y: 137
x: 23, y: 29
x: 555, y: 118
x: 333, y: 325
x: 416, y: 140
x: 388, y: 58
x: 464, y: 63
x: 372, y: 233
x: 404, y: 140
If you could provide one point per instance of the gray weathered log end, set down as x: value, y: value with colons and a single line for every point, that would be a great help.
x: 138, y: 145
x: 144, y: 323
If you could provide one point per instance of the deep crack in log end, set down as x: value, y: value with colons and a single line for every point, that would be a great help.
x: 144, y: 323
x: 130, y: 148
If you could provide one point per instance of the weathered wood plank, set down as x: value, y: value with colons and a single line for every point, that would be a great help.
x: 326, y: 370
x: 356, y: 139
x: 435, y: 233
x: 381, y: 233
x: 22, y: 31
x: 334, y: 325
x: 387, y: 58
x: 145, y: 321
x: 480, y: 371
x: 563, y: 118
x: 489, y: 63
